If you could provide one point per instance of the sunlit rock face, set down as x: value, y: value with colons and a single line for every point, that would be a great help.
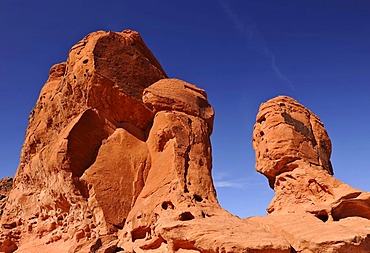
x: 117, y: 158
x: 287, y: 135
x: 293, y: 151
x: 84, y: 160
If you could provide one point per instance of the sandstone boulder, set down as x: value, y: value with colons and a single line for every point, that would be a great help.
x: 311, y: 209
x: 177, y: 95
x: 286, y: 135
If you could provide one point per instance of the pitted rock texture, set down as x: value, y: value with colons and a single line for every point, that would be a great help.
x: 84, y: 160
x: 311, y: 209
x: 118, y: 158
x: 288, y: 134
x: 5, y: 187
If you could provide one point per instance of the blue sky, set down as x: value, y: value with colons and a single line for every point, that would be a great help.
x: 241, y: 52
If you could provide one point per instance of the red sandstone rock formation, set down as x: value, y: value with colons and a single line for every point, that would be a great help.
x: 117, y: 158
x: 89, y: 115
x: 293, y: 151
x: 5, y: 187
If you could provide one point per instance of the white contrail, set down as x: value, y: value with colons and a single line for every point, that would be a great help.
x: 255, y: 40
x: 280, y: 75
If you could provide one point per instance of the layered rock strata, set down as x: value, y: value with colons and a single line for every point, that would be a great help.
x: 312, y: 208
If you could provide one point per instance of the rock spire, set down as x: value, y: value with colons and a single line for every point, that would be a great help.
x: 117, y: 158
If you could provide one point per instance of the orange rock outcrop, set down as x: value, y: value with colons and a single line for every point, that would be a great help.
x: 117, y: 158
x: 293, y: 151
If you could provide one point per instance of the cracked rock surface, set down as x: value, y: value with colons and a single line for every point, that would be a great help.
x: 117, y: 158
x: 313, y: 210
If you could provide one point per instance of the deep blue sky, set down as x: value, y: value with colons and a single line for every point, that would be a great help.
x: 241, y: 52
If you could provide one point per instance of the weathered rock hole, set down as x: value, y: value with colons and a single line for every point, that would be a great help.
x: 186, y: 216
x: 292, y: 250
x: 167, y: 204
x: 198, y: 198
x: 163, y: 139
x: 85, y: 61
x: 9, y: 225
x: 201, y: 163
x: 322, y: 216
x: 262, y: 133
x: 119, y: 227
x: 261, y: 120
x: 139, y: 233
x: 119, y: 249
x: 96, y: 246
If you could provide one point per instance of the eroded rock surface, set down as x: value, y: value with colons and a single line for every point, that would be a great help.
x: 84, y: 160
x: 293, y: 151
x: 117, y: 158
x: 5, y: 187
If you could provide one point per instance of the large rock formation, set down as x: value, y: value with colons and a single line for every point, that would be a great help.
x: 117, y: 158
x: 293, y: 151
x: 84, y: 160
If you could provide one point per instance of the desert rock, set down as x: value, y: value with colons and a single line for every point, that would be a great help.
x: 89, y: 111
x: 293, y: 151
x: 177, y: 210
x: 288, y: 134
x: 5, y: 187
x: 117, y: 158
x: 177, y: 95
